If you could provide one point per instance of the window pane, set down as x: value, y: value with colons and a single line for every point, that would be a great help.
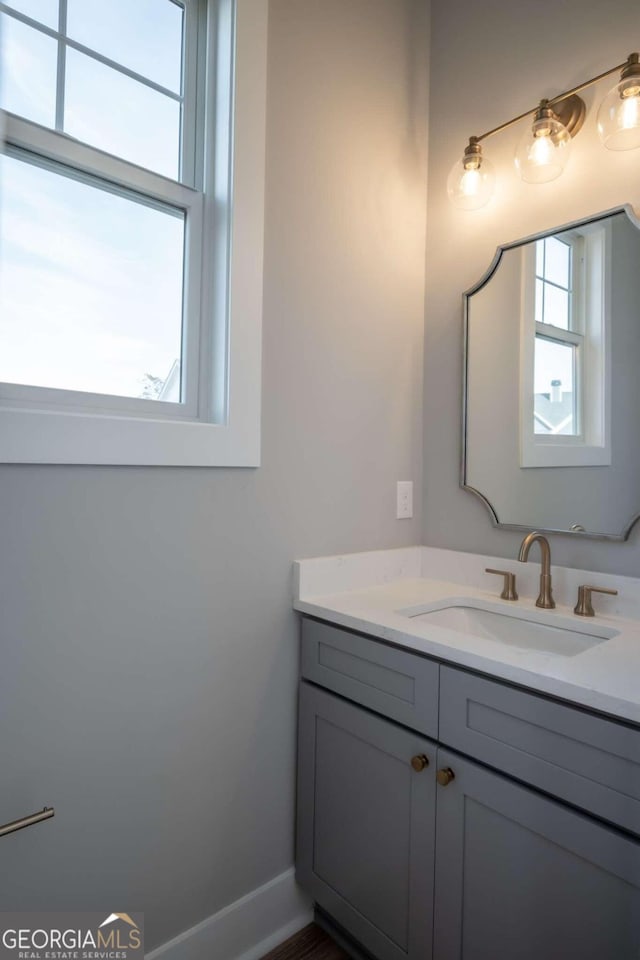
x: 28, y: 72
x: 91, y: 294
x: 44, y: 11
x: 114, y: 113
x: 556, y: 306
x: 558, y: 262
x: 540, y: 258
x: 554, y: 391
x: 540, y: 285
x: 143, y: 35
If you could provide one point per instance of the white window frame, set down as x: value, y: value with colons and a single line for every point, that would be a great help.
x: 218, y: 424
x: 590, y: 335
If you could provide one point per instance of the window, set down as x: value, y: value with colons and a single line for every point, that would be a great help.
x: 559, y: 340
x: 130, y: 284
x: 564, y: 350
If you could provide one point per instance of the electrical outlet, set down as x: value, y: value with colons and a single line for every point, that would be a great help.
x: 404, y: 499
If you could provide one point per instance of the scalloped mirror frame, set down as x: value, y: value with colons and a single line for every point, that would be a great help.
x: 626, y: 209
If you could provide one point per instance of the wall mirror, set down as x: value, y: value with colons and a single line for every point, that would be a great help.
x: 551, y: 411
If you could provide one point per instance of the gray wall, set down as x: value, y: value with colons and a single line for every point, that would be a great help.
x: 499, y: 70
x: 149, y: 650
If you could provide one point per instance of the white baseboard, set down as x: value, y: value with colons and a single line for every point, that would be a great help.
x: 246, y: 929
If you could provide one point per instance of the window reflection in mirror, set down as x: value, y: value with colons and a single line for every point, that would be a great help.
x: 556, y: 358
x: 564, y: 329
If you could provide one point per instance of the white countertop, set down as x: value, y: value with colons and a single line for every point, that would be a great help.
x: 377, y: 593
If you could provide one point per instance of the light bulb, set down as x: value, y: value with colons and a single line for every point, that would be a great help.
x: 544, y: 148
x: 630, y: 112
x: 541, y: 151
x: 619, y: 113
x: 471, y: 181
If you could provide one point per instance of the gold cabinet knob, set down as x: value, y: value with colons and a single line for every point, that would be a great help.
x: 445, y: 776
x: 419, y: 762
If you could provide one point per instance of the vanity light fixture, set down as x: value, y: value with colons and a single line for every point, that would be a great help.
x: 619, y: 113
x: 544, y: 148
x: 471, y: 184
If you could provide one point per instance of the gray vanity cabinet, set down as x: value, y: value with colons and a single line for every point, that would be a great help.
x: 530, y: 851
x: 521, y: 877
x: 366, y: 824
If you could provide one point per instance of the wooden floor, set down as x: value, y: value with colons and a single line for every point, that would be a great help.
x: 312, y: 943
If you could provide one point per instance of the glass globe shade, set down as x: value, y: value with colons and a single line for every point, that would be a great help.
x: 619, y: 116
x: 471, y: 183
x: 543, y: 150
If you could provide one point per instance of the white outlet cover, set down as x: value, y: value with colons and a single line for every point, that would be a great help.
x: 404, y: 499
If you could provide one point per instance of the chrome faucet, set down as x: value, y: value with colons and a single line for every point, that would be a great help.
x: 545, y: 597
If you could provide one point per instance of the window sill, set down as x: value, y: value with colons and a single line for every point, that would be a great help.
x: 565, y: 455
x: 41, y: 437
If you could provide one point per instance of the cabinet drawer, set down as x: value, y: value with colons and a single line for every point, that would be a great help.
x: 399, y: 685
x: 589, y: 761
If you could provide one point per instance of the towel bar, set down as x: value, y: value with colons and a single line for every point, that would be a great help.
x: 14, y: 825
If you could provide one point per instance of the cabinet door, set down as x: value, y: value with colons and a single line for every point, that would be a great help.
x: 521, y: 877
x: 366, y: 825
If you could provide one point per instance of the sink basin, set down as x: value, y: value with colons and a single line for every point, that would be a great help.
x: 561, y: 640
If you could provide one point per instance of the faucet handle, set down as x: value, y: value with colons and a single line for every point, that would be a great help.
x: 584, y: 607
x: 509, y: 589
